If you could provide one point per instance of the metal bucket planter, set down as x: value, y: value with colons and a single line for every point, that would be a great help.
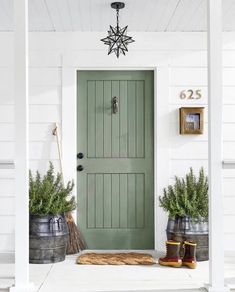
x: 48, y: 237
x: 184, y: 228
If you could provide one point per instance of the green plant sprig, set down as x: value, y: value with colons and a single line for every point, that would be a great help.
x: 48, y: 195
x: 187, y: 197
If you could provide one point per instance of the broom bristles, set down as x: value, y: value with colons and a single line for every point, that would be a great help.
x: 76, y: 242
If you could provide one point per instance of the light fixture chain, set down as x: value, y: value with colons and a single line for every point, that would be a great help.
x: 117, y: 17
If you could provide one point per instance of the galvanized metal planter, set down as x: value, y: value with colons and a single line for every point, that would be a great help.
x: 185, y: 228
x: 48, y: 237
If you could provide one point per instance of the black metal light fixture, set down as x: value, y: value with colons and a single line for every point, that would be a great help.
x: 117, y: 38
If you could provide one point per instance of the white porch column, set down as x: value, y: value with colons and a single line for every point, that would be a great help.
x: 21, y: 148
x: 216, y: 245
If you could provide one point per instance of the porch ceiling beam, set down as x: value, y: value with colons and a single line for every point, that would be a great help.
x: 216, y: 244
x: 21, y: 148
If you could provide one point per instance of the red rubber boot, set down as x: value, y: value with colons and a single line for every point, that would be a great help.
x: 172, y: 258
x: 189, y: 259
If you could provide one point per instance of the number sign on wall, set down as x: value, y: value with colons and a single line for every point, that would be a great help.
x: 191, y: 94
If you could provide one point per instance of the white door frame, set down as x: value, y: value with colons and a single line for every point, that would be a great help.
x: 161, y: 134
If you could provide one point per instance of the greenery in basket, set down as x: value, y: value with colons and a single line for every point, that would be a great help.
x: 48, y: 195
x: 187, y: 197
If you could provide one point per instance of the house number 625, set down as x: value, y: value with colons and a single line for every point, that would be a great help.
x: 191, y: 94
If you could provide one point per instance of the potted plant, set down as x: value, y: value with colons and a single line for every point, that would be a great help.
x: 186, y: 203
x: 49, y: 200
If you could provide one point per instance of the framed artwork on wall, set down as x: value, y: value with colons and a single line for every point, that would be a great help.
x: 191, y: 120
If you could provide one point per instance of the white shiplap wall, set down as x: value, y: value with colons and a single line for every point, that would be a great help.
x: 184, y: 53
x: 45, y: 101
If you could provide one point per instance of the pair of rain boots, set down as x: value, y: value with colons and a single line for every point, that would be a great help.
x: 173, y: 259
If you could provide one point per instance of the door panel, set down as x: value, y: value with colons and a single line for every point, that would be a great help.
x: 118, y: 135
x: 110, y: 200
x: 115, y: 189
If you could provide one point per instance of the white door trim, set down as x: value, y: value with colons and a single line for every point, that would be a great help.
x: 161, y: 133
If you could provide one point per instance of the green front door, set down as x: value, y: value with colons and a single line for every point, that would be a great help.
x: 115, y: 135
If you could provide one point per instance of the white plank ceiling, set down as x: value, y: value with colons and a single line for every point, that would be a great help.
x: 96, y: 15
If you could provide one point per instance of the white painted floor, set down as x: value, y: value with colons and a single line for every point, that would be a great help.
x: 67, y: 276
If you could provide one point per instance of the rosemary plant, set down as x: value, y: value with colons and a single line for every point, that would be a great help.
x: 48, y: 195
x: 187, y: 197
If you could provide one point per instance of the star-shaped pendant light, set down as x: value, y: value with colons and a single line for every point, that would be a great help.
x: 117, y: 38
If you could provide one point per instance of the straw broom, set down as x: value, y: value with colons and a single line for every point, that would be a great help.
x: 75, y: 242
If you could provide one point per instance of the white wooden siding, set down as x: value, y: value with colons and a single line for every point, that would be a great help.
x: 188, y: 71
x: 45, y: 109
x: 186, y: 56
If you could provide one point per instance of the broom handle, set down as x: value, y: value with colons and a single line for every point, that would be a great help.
x: 56, y: 133
x: 80, y: 244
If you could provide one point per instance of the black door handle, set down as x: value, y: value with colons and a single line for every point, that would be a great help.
x: 80, y: 155
x: 80, y: 168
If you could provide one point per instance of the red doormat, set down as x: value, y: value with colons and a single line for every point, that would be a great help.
x: 131, y: 258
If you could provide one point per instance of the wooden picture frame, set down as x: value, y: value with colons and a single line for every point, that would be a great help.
x: 191, y: 120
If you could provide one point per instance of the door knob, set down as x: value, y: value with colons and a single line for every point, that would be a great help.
x: 80, y: 168
x: 80, y: 155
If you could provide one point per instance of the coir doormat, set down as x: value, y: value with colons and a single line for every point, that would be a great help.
x: 131, y: 258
